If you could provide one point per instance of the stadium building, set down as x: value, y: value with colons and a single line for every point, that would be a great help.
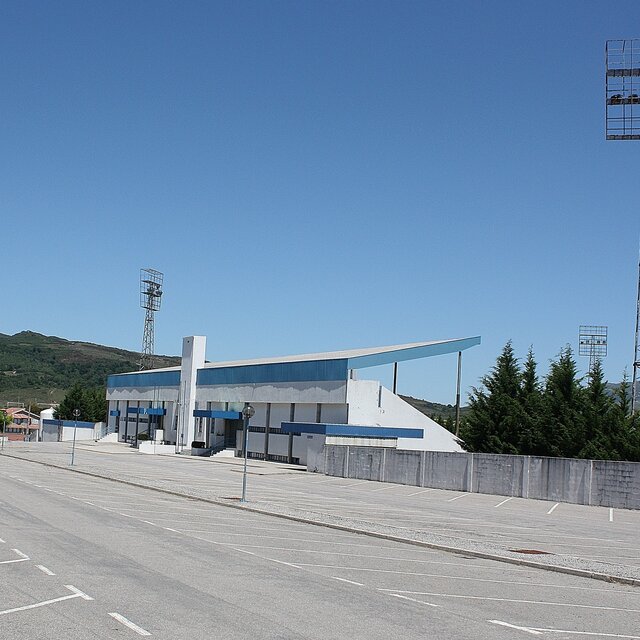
x: 300, y: 403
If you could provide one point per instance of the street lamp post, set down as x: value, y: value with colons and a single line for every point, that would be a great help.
x: 247, y: 413
x: 76, y: 414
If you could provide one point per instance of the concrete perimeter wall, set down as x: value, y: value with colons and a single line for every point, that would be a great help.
x: 593, y: 482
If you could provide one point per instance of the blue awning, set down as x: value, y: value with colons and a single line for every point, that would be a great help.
x: 352, y: 430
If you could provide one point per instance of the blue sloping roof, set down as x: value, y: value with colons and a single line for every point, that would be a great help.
x: 145, y: 379
x: 352, y: 430
x: 310, y: 370
x: 329, y: 366
x: 400, y: 353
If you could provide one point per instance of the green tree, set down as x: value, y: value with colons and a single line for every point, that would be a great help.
x: 90, y: 401
x: 5, y: 420
x: 628, y: 432
x: 561, y: 408
x: 531, y: 437
x: 603, y: 422
x: 75, y: 399
x: 494, y: 417
x: 96, y: 404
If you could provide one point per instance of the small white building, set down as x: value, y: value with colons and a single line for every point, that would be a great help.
x: 299, y: 402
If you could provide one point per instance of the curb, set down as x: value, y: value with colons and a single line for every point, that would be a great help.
x: 583, y: 573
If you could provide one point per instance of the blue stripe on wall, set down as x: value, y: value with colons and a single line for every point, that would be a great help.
x: 148, y: 411
x: 312, y: 370
x: 145, y: 379
x: 227, y: 415
x: 352, y: 430
x: 69, y: 423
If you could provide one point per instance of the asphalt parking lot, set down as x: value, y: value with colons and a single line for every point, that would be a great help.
x: 596, y: 535
x: 85, y: 557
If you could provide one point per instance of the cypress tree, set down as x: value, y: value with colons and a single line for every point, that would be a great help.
x: 492, y: 423
x: 75, y: 399
x: 562, y: 401
x: 603, y: 425
x: 627, y: 435
x: 531, y: 439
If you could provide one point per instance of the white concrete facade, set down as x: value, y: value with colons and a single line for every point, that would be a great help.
x: 281, y: 391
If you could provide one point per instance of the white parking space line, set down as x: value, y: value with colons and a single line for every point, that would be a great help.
x: 544, y: 585
x: 501, y: 503
x: 462, y: 495
x: 76, y: 594
x: 127, y: 623
x: 19, y: 553
x: 513, y: 626
x: 14, y: 561
x: 2, y: 541
x: 610, y: 515
x: 537, y: 631
x: 45, y: 570
x: 77, y: 591
x: 358, y: 584
x: 417, y: 493
x: 257, y: 555
x: 429, y: 604
x: 393, y: 486
x: 544, y: 603
x: 553, y: 508
x: 232, y: 526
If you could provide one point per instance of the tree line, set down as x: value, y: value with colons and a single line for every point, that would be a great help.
x: 90, y: 401
x: 516, y: 412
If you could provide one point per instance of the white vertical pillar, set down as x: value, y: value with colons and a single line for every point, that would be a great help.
x: 193, y: 352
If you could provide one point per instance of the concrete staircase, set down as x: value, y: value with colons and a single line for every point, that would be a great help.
x: 110, y: 437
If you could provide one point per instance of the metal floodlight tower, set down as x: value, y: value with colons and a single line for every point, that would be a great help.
x: 150, y: 299
x: 592, y: 342
x: 622, y: 89
x: 622, y: 109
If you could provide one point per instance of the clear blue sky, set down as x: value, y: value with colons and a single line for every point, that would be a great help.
x: 313, y: 176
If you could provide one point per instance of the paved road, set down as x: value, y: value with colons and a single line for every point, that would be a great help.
x: 177, y: 568
x: 593, y: 534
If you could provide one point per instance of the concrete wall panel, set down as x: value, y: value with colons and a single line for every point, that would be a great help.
x: 498, y: 474
x: 616, y: 484
x: 445, y: 470
x: 596, y: 482
x: 336, y: 461
x: 403, y: 467
x: 366, y: 463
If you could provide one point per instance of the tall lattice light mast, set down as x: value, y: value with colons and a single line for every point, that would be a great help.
x: 622, y: 98
x: 150, y: 299
x: 592, y: 342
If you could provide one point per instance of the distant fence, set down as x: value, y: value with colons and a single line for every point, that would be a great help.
x: 62, y: 430
x: 591, y: 482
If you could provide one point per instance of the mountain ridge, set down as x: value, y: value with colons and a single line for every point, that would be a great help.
x: 35, y: 368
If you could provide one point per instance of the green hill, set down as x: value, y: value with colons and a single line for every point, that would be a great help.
x: 434, y: 408
x: 39, y: 369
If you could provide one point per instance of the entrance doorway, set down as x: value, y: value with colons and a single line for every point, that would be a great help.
x: 230, y: 430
